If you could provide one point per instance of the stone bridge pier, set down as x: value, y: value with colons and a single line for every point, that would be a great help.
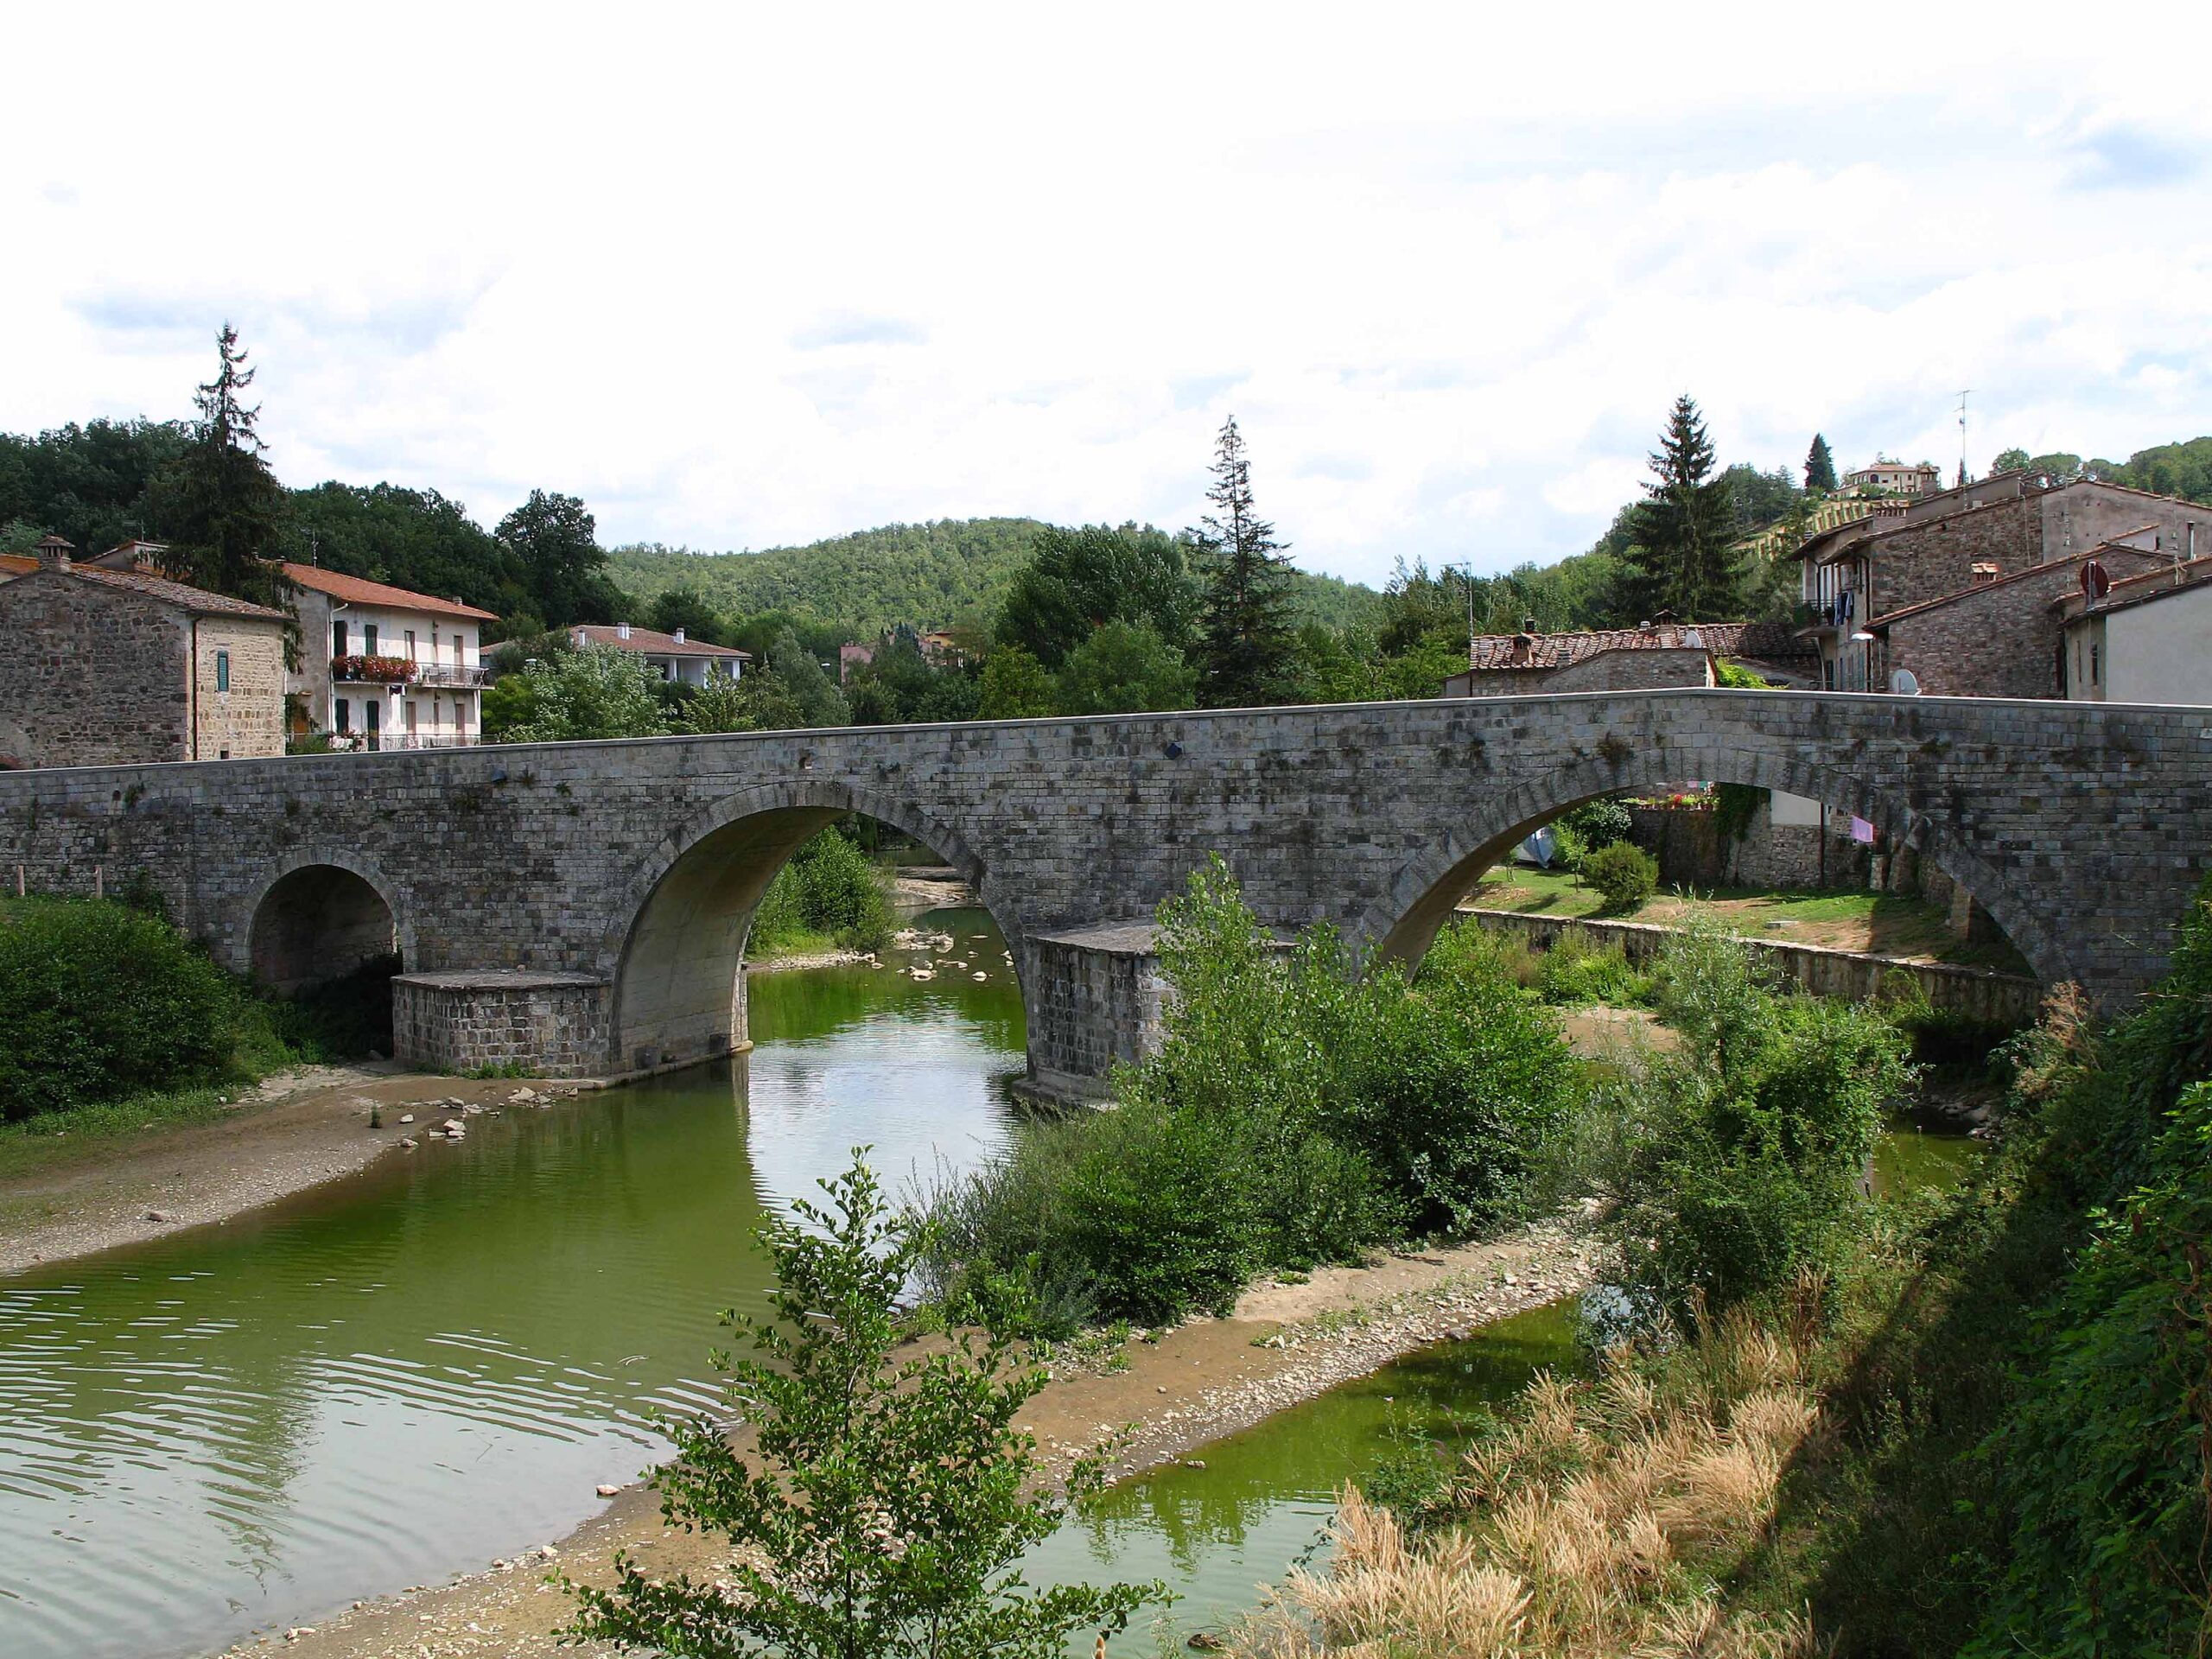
x: 582, y: 908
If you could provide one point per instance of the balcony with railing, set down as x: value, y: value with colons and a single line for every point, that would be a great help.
x: 356, y: 669
x: 361, y: 743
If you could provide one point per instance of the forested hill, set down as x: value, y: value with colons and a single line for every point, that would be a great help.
x: 932, y: 575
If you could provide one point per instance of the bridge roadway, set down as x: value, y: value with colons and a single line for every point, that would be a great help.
x: 582, y: 907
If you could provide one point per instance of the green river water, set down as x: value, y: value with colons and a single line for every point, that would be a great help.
x: 431, y: 1365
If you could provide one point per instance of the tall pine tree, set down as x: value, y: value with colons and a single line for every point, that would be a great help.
x: 1245, y: 633
x: 218, y: 507
x: 1681, y: 561
x: 1820, y: 465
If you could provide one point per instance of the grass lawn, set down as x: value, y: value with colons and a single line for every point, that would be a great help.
x: 1883, y: 924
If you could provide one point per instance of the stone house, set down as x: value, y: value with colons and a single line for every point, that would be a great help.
x: 104, y: 667
x: 1654, y: 657
x: 1999, y: 638
x: 687, y: 662
x: 1856, y: 573
x: 383, y: 667
x: 2142, y: 639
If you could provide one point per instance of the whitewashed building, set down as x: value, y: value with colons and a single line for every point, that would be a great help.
x: 687, y: 662
x: 385, y: 668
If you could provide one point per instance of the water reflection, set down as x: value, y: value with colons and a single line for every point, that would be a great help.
x: 434, y: 1363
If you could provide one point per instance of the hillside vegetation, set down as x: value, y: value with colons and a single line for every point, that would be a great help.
x: 948, y: 573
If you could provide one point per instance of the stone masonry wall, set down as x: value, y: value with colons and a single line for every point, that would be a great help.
x: 2082, y: 828
x: 1972, y: 993
x: 1998, y: 641
x: 247, y: 722
x: 552, y: 1024
x: 90, y: 676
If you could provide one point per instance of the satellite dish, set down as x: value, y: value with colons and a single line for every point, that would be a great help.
x: 2096, y: 582
x: 1904, y: 683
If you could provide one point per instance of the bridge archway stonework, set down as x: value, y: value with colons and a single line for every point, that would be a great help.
x: 572, y: 869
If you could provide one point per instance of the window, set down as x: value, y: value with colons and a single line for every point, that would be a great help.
x: 2097, y: 664
x: 410, y: 645
x: 222, y: 671
x: 412, y: 709
x: 345, y: 715
x: 337, y: 638
x: 368, y: 639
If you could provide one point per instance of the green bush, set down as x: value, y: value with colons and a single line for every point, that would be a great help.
x: 1745, y: 1154
x: 99, y: 1000
x: 828, y: 890
x: 1576, y: 973
x: 1623, y: 875
x: 1297, y: 1111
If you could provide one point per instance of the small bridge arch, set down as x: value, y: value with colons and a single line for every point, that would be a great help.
x: 322, y: 913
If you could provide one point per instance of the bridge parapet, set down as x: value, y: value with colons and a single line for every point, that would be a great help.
x: 2082, y: 828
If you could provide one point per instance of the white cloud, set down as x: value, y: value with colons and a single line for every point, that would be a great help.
x: 740, y: 276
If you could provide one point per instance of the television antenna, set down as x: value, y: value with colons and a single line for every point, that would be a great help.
x: 1962, y: 435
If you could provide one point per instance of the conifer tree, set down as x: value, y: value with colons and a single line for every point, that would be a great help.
x: 218, y: 507
x: 1682, y: 562
x: 1820, y: 465
x: 1246, y: 636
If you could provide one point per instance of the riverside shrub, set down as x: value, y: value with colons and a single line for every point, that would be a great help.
x: 99, y: 1000
x: 1744, y: 1154
x: 828, y: 890
x: 1297, y: 1111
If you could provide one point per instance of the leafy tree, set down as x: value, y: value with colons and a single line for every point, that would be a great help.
x: 686, y: 609
x: 1014, y: 686
x: 819, y: 700
x: 1246, y: 646
x: 218, y: 506
x: 887, y: 1504
x: 1124, y: 670
x: 91, y: 484
x: 1681, y: 561
x: 411, y: 538
x: 754, y: 702
x: 1820, y: 467
x: 1757, y: 499
x: 576, y: 696
x: 2010, y: 460
x: 555, y: 539
x: 1080, y: 578
x: 901, y: 685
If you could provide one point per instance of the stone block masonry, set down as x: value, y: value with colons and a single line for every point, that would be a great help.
x: 2082, y: 828
x: 554, y: 1024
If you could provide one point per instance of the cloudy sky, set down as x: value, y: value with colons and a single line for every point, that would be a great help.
x: 746, y: 274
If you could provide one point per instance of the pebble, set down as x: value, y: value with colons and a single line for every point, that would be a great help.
x: 159, y: 1215
x: 407, y: 1117
x: 605, y: 1491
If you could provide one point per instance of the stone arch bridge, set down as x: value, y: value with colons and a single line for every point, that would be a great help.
x: 581, y: 907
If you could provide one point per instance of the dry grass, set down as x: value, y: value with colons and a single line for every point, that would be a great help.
x: 1601, y: 1522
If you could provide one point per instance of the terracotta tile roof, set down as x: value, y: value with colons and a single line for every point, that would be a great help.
x: 1517, y: 650
x: 198, y: 600
x: 652, y: 644
x: 359, y: 590
x: 18, y: 564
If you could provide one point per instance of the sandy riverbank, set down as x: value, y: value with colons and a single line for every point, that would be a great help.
x: 1284, y: 1344
x: 291, y: 1132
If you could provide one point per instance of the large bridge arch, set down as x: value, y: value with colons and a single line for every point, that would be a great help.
x: 673, y: 956
x: 1426, y: 887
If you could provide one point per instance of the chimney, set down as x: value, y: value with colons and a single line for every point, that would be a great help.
x: 677, y: 635
x: 1528, y: 625
x: 53, y: 551
x: 621, y: 630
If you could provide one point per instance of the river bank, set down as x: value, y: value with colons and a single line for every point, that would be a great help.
x: 1283, y: 1344
x: 290, y: 1133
